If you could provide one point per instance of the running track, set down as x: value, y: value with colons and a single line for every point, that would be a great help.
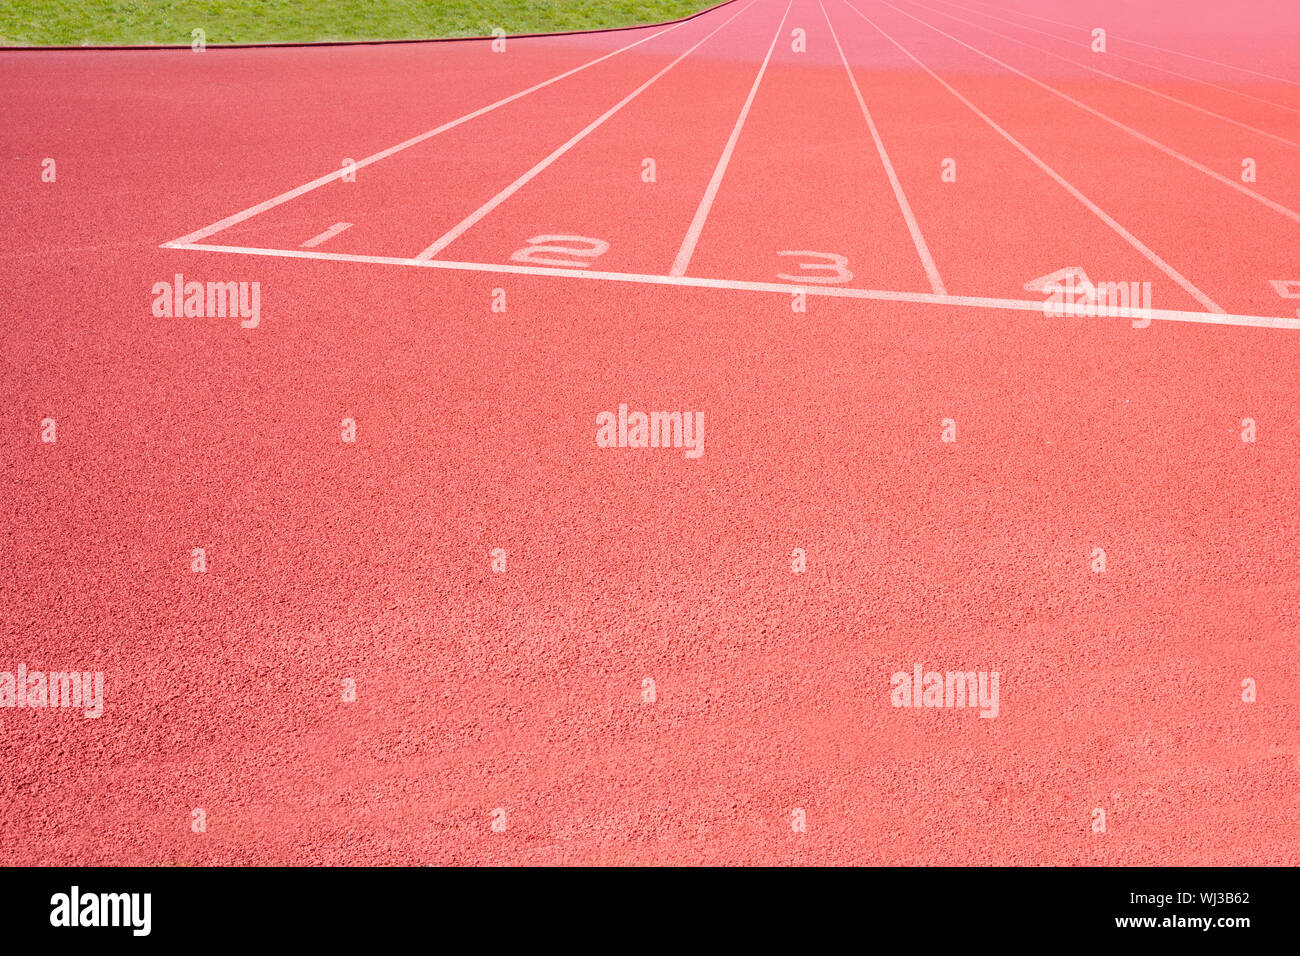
x: 523, y: 690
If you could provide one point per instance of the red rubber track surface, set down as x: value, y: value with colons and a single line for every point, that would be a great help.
x: 370, y: 561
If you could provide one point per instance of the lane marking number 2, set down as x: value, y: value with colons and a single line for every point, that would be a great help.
x: 575, y: 251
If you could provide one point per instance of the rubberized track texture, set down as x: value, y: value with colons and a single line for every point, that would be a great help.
x: 973, y: 539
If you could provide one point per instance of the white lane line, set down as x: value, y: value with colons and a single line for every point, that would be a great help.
x: 1111, y: 54
x: 918, y: 240
x: 1060, y: 180
x: 456, y: 231
x: 329, y: 233
x: 702, y: 213
x: 1137, y: 86
x: 1143, y: 137
x: 842, y: 292
x: 1152, y: 46
x: 406, y: 144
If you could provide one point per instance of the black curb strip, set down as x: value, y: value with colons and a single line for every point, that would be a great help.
x: 316, y: 43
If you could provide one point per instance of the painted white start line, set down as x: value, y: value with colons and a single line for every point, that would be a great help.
x: 785, y: 288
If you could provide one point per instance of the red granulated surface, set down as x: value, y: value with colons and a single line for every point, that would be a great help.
x: 370, y: 561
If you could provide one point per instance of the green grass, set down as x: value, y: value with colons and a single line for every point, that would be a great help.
x: 94, y: 22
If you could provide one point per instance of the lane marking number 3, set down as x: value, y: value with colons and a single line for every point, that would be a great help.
x: 835, y: 269
x: 1287, y: 289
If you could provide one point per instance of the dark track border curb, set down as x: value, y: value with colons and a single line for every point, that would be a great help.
x: 318, y: 43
